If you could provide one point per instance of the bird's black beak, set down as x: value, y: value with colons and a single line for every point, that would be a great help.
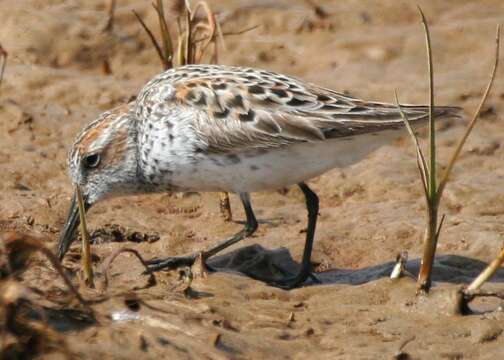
x: 68, y: 232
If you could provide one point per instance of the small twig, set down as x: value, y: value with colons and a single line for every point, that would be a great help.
x: 3, y: 56
x: 56, y: 264
x: 475, y: 117
x: 86, y: 247
x: 181, y: 44
x: 220, y: 34
x: 406, y: 342
x: 209, y: 15
x: 400, y: 354
x: 229, y: 33
x: 188, y: 58
x: 486, y: 274
x: 167, y: 58
x: 111, y: 258
x: 213, y: 24
x: 151, y: 37
x: 422, y: 165
x: 432, y: 130
x: 440, y: 226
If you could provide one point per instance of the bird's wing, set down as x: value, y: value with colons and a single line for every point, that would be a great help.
x: 253, y: 109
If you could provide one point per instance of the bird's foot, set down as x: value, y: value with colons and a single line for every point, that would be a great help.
x: 176, y: 262
x: 293, y: 282
x: 171, y: 263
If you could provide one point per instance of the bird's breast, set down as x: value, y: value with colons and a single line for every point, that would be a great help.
x: 165, y: 144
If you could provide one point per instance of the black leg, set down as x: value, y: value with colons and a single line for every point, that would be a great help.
x: 249, y: 229
x: 312, y: 205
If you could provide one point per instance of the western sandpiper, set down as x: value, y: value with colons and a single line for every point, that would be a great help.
x: 221, y: 128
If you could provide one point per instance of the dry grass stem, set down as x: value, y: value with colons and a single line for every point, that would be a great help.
x: 432, y: 130
x: 167, y: 50
x: 486, y: 274
x: 196, y: 34
x: 151, y: 37
x: 186, y: 40
x: 228, y: 33
x: 475, y: 117
x: 422, y: 165
x: 86, y: 247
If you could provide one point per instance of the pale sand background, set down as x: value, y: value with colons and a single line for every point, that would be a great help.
x: 54, y: 84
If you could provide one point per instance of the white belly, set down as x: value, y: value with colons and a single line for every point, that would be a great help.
x: 276, y: 168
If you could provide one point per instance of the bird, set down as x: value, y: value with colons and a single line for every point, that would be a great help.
x: 199, y: 128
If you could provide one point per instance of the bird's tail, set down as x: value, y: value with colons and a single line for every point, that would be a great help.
x: 421, y: 112
x: 373, y: 117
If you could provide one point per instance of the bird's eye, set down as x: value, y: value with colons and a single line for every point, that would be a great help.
x: 92, y: 161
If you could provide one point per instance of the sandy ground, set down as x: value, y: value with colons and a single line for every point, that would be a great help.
x: 55, y: 83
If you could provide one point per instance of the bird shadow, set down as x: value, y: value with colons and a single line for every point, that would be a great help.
x: 260, y: 263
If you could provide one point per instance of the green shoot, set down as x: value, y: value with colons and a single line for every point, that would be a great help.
x: 433, y: 191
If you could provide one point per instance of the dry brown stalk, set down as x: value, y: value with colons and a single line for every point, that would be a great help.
x: 167, y: 56
x: 486, y: 274
x: 151, y: 37
x: 475, y: 117
x: 86, y: 247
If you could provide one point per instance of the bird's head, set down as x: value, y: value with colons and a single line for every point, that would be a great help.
x: 103, y: 163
